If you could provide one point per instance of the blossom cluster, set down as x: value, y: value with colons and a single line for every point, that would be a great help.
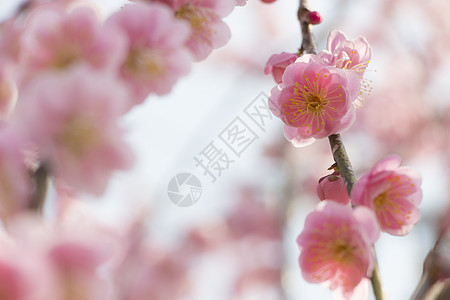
x: 336, y: 240
x: 67, y: 77
x: 316, y: 95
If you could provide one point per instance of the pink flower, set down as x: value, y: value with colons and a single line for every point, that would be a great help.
x: 73, y: 117
x: 205, y: 18
x: 348, y: 55
x: 393, y: 193
x: 336, y: 246
x: 332, y: 187
x: 156, y: 57
x: 277, y: 63
x: 75, y: 263
x: 55, y: 40
x: 314, y: 101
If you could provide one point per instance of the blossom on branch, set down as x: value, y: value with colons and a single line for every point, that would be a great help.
x: 336, y: 245
x: 314, y: 101
x: 277, y: 63
x: 332, y: 187
x: 393, y: 193
x: 352, y: 55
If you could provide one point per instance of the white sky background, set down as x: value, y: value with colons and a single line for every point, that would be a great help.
x: 201, y: 106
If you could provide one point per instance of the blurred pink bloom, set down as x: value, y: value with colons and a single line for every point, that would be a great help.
x: 332, y: 187
x: 336, y: 246
x: 156, y: 56
x: 73, y: 117
x: 55, y: 40
x: 393, y: 193
x: 250, y: 216
x: 75, y: 263
x: 15, y: 184
x: 277, y: 63
x: 205, y: 18
x: 314, y: 101
x: 151, y: 272
x: 10, y: 35
x: 57, y: 262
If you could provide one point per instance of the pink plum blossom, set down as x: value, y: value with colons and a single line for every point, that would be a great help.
x: 75, y: 263
x: 277, y: 63
x: 54, y: 40
x: 24, y: 279
x: 336, y: 246
x: 56, y: 262
x: 348, y: 55
x: 314, y: 101
x: 332, y: 187
x: 156, y: 57
x: 72, y: 117
x: 393, y: 193
x: 208, y: 31
x: 10, y: 34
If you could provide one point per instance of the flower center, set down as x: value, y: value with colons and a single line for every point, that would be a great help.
x: 78, y: 136
x: 193, y: 15
x: 144, y: 61
x: 343, y: 251
x: 65, y: 58
x: 313, y: 103
x: 380, y: 200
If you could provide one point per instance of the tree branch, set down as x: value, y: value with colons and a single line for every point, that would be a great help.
x: 340, y: 156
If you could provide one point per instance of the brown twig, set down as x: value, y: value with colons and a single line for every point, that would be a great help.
x: 40, y: 178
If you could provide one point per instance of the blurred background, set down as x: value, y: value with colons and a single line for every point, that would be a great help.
x: 237, y: 241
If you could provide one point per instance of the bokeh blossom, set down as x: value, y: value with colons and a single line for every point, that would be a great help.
x: 56, y: 40
x: 332, y: 187
x: 336, y: 245
x: 208, y: 31
x: 314, y: 101
x: 72, y: 117
x: 277, y: 63
x: 393, y: 193
x: 156, y: 57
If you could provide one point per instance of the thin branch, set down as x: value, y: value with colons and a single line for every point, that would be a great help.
x: 40, y: 178
x: 309, y: 45
x: 341, y: 158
